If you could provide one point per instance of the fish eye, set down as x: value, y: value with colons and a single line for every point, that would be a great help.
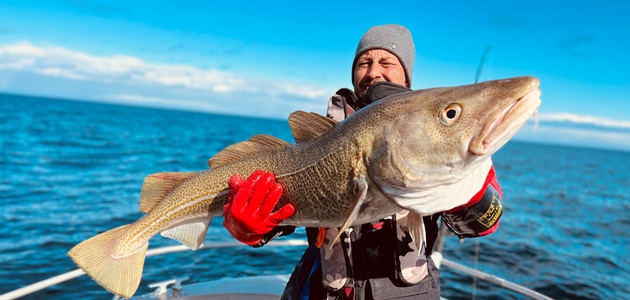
x: 450, y: 114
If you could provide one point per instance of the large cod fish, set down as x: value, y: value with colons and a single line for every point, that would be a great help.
x: 424, y: 151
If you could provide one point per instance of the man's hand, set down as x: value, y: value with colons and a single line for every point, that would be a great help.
x: 249, y: 211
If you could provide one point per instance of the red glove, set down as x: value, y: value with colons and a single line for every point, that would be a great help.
x: 249, y: 211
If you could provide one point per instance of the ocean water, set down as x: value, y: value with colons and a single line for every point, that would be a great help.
x: 70, y: 170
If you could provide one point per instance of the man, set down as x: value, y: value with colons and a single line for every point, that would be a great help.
x: 371, y: 261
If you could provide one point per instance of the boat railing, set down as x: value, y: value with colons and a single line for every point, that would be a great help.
x: 437, y: 257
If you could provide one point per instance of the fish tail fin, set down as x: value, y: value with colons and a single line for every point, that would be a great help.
x: 97, y: 257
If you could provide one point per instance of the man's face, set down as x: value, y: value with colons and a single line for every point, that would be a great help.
x: 377, y: 65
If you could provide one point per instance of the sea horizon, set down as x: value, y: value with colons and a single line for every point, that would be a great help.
x: 209, y: 112
x: 72, y: 169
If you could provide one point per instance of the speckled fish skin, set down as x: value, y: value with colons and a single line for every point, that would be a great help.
x: 380, y: 141
x: 391, y: 155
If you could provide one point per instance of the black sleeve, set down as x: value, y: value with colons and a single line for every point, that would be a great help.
x: 274, y: 233
x: 479, y: 219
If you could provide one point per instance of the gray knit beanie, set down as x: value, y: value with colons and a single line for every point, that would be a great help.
x: 393, y: 38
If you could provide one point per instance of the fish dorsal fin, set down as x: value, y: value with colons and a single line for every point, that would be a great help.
x: 307, y: 126
x: 157, y: 186
x: 265, y: 140
x: 257, y: 144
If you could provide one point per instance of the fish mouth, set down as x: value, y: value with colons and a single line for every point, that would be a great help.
x: 507, y: 122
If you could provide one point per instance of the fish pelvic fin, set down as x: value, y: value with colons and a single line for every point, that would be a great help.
x: 307, y: 126
x: 257, y: 144
x: 416, y: 228
x: 190, y: 234
x: 157, y: 186
x: 358, y: 190
x: 96, y: 257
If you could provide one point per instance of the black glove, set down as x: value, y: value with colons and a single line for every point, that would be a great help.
x: 481, y: 215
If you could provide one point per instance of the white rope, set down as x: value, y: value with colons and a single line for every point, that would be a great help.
x: 171, y: 249
x: 495, y: 280
x: 42, y: 285
x: 29, y: 289
x: 474, y: 287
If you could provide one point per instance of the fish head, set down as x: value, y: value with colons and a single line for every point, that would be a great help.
x: 438, y: 138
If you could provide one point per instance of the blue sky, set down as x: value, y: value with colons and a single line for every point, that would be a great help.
x: 268, y: 59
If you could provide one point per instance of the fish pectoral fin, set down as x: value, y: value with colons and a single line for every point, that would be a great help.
x: 190, y: 235
x: 416, y: 228
x: 156, y: 186
x: 358, y: 191
x: 120, y: 274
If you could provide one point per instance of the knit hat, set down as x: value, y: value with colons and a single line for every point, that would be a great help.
x: 393, y: 38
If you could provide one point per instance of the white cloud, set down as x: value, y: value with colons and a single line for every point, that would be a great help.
x: 578, y: 130
x: 150, y: 101
x: 566, y: 133
x: 140, y: 99
x: 64, y: 73
x: 584, y: 120
x: 69, y: 64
